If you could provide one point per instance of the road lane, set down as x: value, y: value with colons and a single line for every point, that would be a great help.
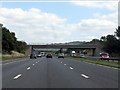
x: 12, y: 69
x: 51, y: 73
x: 103, y: 76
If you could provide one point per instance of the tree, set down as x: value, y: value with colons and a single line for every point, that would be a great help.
x: 111, y: 44
x: 118, y: 32
x: 95, y: 41
x: 61, y: 50
x: 21, y: 46
x: 103, y: 38
x: 9, y: 42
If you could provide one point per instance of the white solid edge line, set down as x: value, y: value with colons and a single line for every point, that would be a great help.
x: 16, y: 77
x: 85, y: 76
x: 28, y: 68
x: 9, y: 63
x: 14, y: 61
x: 71, y: 68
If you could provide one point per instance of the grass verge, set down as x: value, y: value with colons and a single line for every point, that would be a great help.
x: 98, y: 61
x: 13, y: 55
x: 9, y: 57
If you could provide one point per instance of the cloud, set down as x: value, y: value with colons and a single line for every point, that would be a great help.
x: 101, y: 24
x: 119, y: 13
x: 36, y: 26
x: 33, y: 25
x: 110, y: 5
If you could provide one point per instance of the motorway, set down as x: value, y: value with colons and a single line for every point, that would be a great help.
x: 57, y: 73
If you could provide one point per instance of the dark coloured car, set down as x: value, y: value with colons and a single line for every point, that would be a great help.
x: 82, y: 55
x: 33, y: 56
x: 49, y: 56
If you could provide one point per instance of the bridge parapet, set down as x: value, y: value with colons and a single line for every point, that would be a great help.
x: 65, y: 46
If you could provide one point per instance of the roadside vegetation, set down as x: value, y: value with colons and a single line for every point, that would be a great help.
x: 11, y: 47
x: 14, y: 55
x: 110, y: 63
x: 109, y: 43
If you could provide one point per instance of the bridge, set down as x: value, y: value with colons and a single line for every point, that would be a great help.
x: 92, y: 49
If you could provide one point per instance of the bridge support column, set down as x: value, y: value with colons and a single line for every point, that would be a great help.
x: 28, y: 51
x: 93, y: 54
x: 97, y: 51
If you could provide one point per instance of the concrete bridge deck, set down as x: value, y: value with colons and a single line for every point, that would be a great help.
x: 92, y: 46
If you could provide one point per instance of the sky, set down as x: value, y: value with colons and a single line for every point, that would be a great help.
x: 58, y: 22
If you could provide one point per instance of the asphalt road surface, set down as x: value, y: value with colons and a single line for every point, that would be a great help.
x: 57, y: 73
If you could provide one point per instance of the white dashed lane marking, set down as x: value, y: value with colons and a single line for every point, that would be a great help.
x: 33, y: 64
x: 64, y: 64
x: 28, y: 68
x: 16, y: 77
x: 85, y: 76
x: 71, y: 68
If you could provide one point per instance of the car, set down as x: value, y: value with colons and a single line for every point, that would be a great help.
x: 61, y: 55
x: 39, y: 55
x: 33, y: 56
x: 82, y: 55
x: 104, y: 55
x: 49, y: 56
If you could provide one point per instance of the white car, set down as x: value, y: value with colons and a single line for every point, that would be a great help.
x: 61, y: 55
x: 39, y: 55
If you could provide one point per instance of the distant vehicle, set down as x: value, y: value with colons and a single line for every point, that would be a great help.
x: 73, y: 53
x: 82, y: 55
x: 61, y: 55
x: 33, y: 56
x: 49, y: 56
x: 42, y: 53
x: 39, y: 55
x: 104, y: 55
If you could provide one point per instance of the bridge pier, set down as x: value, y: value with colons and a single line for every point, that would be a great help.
x: 28, y: 51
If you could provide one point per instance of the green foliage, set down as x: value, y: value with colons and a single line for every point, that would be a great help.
x: 9, y: 42
x: 21, y: 46
x: 103, y: 39
x: 95, y: 41
x: 59, y: 51
x: 111, y: 44
x: 118, y: 32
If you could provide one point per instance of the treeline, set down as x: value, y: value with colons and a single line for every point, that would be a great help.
x: 10, y: 42
x: 110, y: 43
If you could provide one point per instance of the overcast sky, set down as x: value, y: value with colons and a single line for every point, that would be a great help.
x: 55, y: 22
